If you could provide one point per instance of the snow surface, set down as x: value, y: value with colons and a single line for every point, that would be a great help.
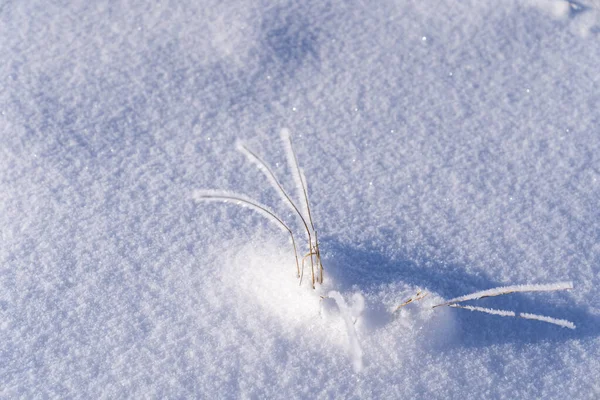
x: 449, y: 147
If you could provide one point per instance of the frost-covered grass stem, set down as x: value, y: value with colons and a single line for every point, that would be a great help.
x: 503, y: 290
x: 240, y: 199
x: 314, y: 254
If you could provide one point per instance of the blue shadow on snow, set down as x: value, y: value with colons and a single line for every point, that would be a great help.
x: 368, y: 268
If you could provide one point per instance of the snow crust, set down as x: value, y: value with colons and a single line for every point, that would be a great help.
x: 449, y: 147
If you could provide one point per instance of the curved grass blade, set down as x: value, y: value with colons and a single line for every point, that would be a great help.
x: 240, y: 199
x: 502, y: 290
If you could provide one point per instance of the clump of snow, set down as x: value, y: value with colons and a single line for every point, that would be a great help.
x: 348, y: 313
x: 587, y: 20
x: 557, y: 8
x: 263, y: 273
x: 584, y: 15
x: 266, y: 274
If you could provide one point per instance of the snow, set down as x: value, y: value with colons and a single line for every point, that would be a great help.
x: 447, y: 147
x: 356, y: 352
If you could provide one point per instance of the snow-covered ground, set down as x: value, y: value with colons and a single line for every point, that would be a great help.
x: 449, y: 147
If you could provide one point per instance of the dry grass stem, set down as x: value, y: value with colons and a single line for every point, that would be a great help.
x: 504, y: 290
x: 314, y: 254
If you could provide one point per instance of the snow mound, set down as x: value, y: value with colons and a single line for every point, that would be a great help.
x: 363, y: 323
x: 265, y: 274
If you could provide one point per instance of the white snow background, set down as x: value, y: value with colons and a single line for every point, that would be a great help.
x: 449, y: 146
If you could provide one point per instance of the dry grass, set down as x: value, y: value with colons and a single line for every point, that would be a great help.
x: 313, y: 254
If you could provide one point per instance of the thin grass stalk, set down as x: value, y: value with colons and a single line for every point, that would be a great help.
x: 268, y: 172
x: 502, y: 290
x: 295, y: 167
x: 318, y: 255
x: 301, y: 183
x: 200, y: 195
x: 507, y: 313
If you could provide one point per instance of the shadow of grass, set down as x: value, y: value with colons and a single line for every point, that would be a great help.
x: 369, y: 269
